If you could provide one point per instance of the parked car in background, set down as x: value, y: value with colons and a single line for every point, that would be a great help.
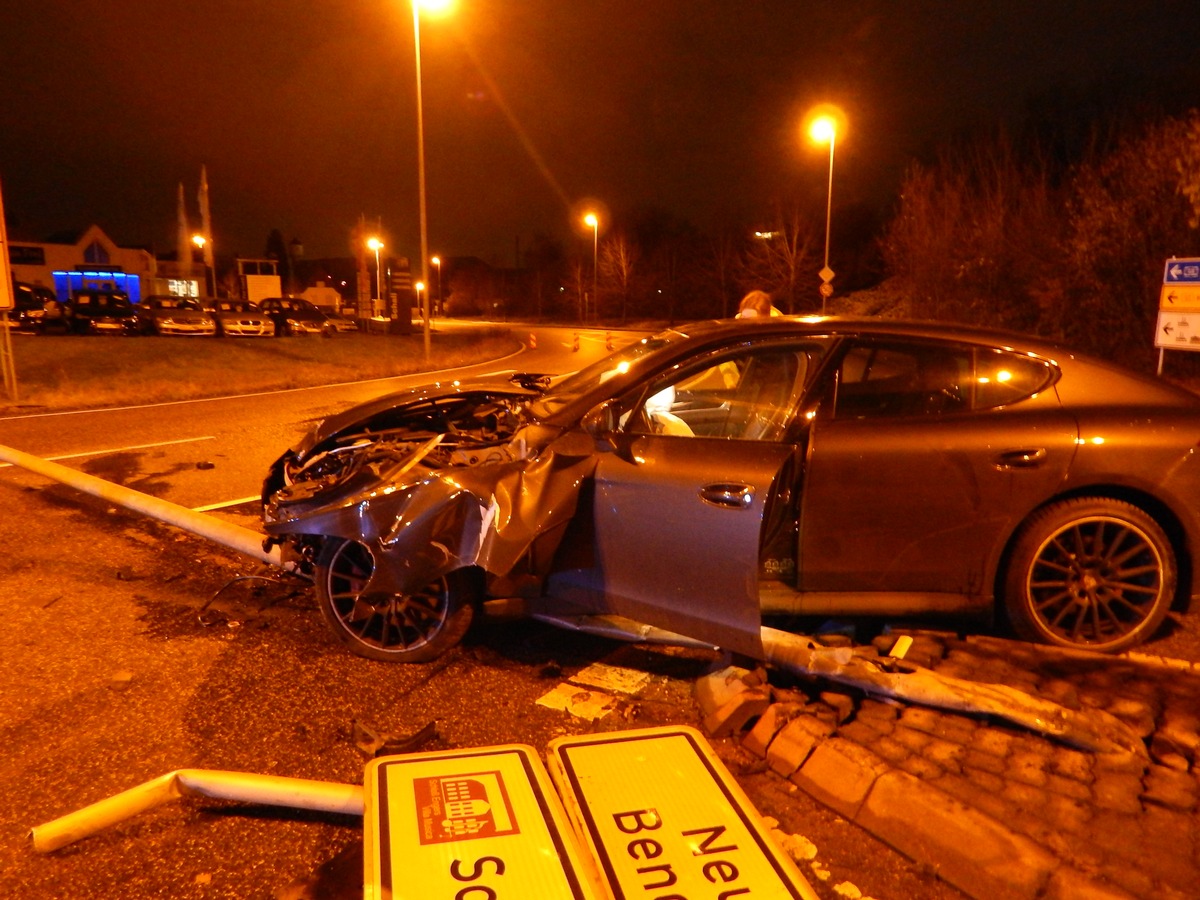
x: 170, y: 315
x: 340, y: 323
x: 36, y: 309
x: 102, y: 312
x: 718, y: 473
x: 240, y: 318
x: 292, y: 315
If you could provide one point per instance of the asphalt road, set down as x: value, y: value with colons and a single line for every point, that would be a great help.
x: 133, y: 649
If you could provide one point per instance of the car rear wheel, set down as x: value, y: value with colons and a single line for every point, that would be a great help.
x: 408, y: 628
x: 1090, y: 573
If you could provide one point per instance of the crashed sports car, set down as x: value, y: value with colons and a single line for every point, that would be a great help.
x: 698, y: 480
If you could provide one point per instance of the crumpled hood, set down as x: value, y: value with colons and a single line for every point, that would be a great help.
x: 394, y: 405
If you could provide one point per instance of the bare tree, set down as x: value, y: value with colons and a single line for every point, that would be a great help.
x: 780, y: 257
x: 618, y: 258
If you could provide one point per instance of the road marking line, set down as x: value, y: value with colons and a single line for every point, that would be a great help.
x: 226, y: 503
x: 207, y: 437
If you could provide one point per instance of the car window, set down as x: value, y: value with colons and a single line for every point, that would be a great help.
x: 878, y: 379
x: 904, y: 379
x: 744, y: 396
x: 1002, y: 378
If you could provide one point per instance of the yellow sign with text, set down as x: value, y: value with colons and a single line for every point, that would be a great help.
x: 1179, y: 298
x: 664, y: 818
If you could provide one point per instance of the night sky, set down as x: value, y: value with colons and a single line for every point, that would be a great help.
x: 304, y: 112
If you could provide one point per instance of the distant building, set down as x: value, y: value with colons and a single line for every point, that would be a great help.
x: 90, y: 260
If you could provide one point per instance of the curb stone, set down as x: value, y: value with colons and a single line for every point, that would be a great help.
x: 1040, y: 819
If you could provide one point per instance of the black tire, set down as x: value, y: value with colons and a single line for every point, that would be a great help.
x: 408, y: 628
x: 1090, y: 573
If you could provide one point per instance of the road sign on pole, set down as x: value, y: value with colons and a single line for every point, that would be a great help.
x: 1179, y: 298
x: 1181, y: 271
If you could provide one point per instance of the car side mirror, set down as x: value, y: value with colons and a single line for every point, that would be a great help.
x: 601, y: 422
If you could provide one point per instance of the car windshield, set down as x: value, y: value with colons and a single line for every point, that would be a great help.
x: 578, y: 384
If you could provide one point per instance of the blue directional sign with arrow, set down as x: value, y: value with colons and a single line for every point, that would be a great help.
x: 1182, y: 271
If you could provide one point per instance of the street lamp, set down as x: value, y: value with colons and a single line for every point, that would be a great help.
x: 823, y: 129
x: 376, y: 244
x: 438, y: 262
x: 199, y: 240
x: 433, y: 6
x: 593, y: 222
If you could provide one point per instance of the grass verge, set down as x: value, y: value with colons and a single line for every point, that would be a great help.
x: 60, y: 372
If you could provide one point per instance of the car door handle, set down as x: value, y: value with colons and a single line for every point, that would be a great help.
x: 735, y: 496
x: 1023, y: 458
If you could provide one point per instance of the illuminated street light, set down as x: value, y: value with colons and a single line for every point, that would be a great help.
x: 823, y: 129
x: 199, y: 240
x: 376, y: 244
x: 431, y: 6
x: 593, y: 222
x: 438, y: 262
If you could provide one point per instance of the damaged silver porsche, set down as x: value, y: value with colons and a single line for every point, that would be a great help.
x: 695, y: 481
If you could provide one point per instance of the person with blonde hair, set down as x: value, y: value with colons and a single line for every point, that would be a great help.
x: 755, y: 304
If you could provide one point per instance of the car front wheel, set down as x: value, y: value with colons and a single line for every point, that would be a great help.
x: 408, y: 628
x: 1090, y: 573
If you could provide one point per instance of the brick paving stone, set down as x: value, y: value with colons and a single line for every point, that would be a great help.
x: 768, y: 725
x: 919, y: 717
x: 1028, y: 768
x: 1114, y: 834
x: 1167, y: 828
x: 1067, y: 813
x: 1136, y: 882
x: 912, y: 740
x: 949, y: 727
x: 840, y: 774
x: 1059, y: 691
x: 1118, y: 792
x: 921, y: 767
x: 993, y: 741
x: 891, y: 750
x: 877, y: 711
x: 716, y: 689
x: 973, y: 794
x: 988, y: 781
x: 1137, y: 714
x: 733, y: 716
x: 860, y: 732
x: 1067, y: 787
x: 945, y: 754
x: 791, y: 746
x: 1167, y: 787
x: 841, y: 704
x: 983, y: 762
x: 1023, y: 796
x: 1073, y: 764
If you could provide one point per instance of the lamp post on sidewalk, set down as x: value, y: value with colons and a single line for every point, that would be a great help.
x: 593, y: 222
x: 376, y: 244
x: 822, y: 129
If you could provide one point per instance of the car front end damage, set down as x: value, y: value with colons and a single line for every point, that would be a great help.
x: 436, y: 484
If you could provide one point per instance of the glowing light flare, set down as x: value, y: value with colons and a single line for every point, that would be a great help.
x: 434, y: 7
x: 591, y: 221
x: 375, y: 244
x: 822, y: 129
x: 199, y: 241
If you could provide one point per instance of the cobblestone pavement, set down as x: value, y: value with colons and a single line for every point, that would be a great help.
x: 996, y: 810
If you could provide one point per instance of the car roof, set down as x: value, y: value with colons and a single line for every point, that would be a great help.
x: 872, y: 325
